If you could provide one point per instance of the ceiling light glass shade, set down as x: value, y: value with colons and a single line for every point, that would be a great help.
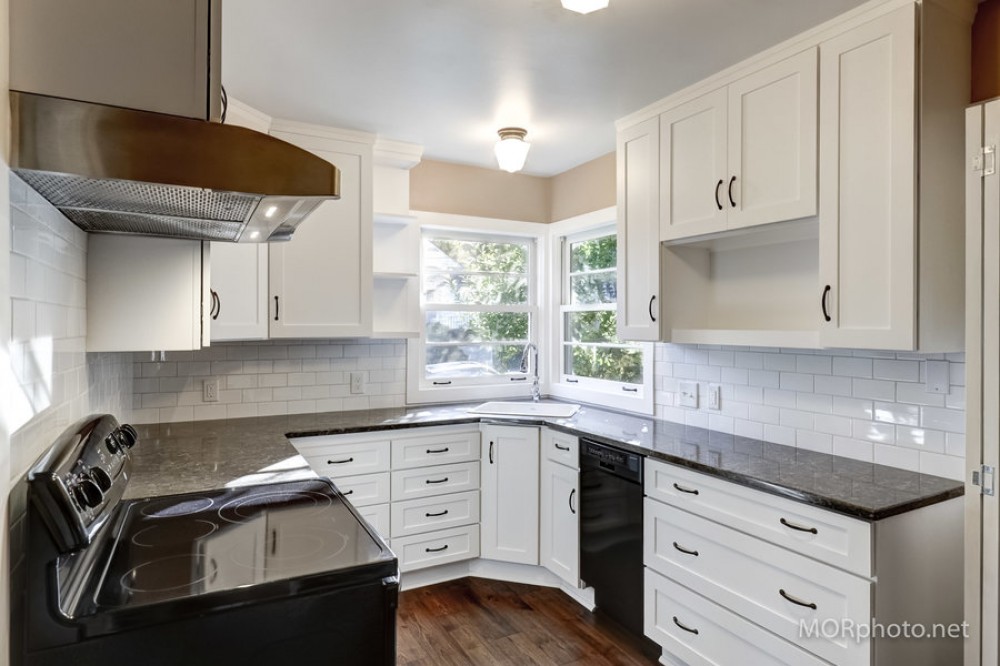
x: 584, y: 6
x: 511, y: 150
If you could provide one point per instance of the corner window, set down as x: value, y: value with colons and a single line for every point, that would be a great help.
x: 478, y: 310
x: 594, y: 364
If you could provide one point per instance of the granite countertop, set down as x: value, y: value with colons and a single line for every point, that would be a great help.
x: 185, y: 457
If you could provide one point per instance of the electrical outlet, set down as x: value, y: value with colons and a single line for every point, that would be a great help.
x: 689, y: 394
x: 210, y: 390
x: 714, y: 396
x: 357, y: 382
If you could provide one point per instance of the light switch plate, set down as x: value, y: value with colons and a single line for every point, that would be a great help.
x: 714, y: 396
x: 688, y: 396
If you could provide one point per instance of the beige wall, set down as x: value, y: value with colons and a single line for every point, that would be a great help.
x: 443, y: 187
x: 583, y: 189
x: 6, y: 374
x: 986, y: 52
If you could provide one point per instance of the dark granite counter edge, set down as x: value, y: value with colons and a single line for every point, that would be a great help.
x: 813, y: 499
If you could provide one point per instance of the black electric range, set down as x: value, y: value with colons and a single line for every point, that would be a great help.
x: 282, y: 572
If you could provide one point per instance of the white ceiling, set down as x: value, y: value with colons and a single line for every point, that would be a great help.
x: 447, y: 74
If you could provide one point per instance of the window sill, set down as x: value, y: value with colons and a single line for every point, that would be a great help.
x: 641, y: 403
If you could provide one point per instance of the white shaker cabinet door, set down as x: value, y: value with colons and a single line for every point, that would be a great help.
x: 693, y: 174
x: 772, y: 143
x: 239, y: 291
x: 559, y: 531
x: 867, y: 290
x: 509, y: 494
x: 321, y: 280
x: 639, y: 231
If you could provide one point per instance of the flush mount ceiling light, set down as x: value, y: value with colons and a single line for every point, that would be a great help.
x: 584, y: 6
x: 512, y: 149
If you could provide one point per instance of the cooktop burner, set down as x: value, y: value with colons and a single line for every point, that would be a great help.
x: 189, y: 545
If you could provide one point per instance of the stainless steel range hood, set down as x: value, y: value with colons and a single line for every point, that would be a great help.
x: 115, y: 170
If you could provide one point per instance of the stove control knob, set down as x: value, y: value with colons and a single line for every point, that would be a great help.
x: 101, y: 478
x: 128, y: 435
x: 88, y: 493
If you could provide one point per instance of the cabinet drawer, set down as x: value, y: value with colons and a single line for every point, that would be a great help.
x: 434, y: 513
x: 435, y: 449
x: 764, y: 583
x: 561, y: 448
x: 365, y: 489
x: 829, y: 537
x: 437, y: 480
x: 377, y: 516
x: 336, y: 459
x: 434, y: 548
x: 703, y: 634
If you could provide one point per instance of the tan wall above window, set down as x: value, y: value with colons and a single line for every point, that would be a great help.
x: 986, y: 52
x: 444, y: 187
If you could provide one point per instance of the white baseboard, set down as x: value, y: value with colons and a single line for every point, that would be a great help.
x: 526, y: 574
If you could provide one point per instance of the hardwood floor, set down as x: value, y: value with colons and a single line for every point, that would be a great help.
x: 479, y: 621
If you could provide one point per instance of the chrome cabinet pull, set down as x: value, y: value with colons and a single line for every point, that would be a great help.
x: 800, y: 528
x: 797, y: 602
x: 340, y: 462
x: 685, y: 550
x: 685, y: 627
x: 689, y: 491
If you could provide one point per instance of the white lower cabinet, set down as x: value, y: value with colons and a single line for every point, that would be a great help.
x: 434, y: 548
x: 377, y: 516
x: 559, y: 520
x: 509, y: 478
x: 738, y: 576
x: 702, y: 633
x: 434, y: 513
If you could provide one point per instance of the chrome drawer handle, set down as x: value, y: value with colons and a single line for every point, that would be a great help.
x: 444, y: 450
x: 339, y: 462
x: 689, y: 491
x: 436, y: 550
x: 444, y: 480
x: 685, y: 627
x: 797, y: 602
x: 562, y: 448
x: 800, y: 528
x: 685, y: 550
x: 435, y: 515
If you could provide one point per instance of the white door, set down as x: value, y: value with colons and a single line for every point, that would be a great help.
x: 239, y: 291
x: 982, y: 533
x: 867, y: 293
x: 509, y: 494
x: 639, y: 231
x: 560, y: 521
x: 693, y: 173
x: 772, y: 143
x: 321, y: 280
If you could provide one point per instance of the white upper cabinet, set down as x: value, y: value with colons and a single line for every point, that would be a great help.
x: 867, y: 257
x: 693, y: 173
x: 238, y: 305
x: 638, y: 231
x: 147, y: 294
x: 772, y: 143
x: 321, y: 280
x: 742, y: 155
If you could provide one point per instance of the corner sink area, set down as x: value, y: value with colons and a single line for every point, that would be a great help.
x: 555, y: 410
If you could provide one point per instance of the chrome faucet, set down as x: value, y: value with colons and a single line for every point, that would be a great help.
x: 536, y: 393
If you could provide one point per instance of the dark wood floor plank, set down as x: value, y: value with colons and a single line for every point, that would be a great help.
x: 480, y: 622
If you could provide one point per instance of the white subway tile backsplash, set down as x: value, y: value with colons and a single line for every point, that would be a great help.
x: 867, y: 405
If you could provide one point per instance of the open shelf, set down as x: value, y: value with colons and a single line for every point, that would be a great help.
x: 393, y: 219
x: 754, y: 287
x: 393, y: 275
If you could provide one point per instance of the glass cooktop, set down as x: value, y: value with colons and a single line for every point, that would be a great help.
x: 182, y: 546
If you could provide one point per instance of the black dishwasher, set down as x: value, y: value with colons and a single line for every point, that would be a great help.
x: 611, y: 531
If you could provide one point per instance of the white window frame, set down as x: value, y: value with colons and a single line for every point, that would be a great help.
x: 419, y: 389
x: 589, y: 390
